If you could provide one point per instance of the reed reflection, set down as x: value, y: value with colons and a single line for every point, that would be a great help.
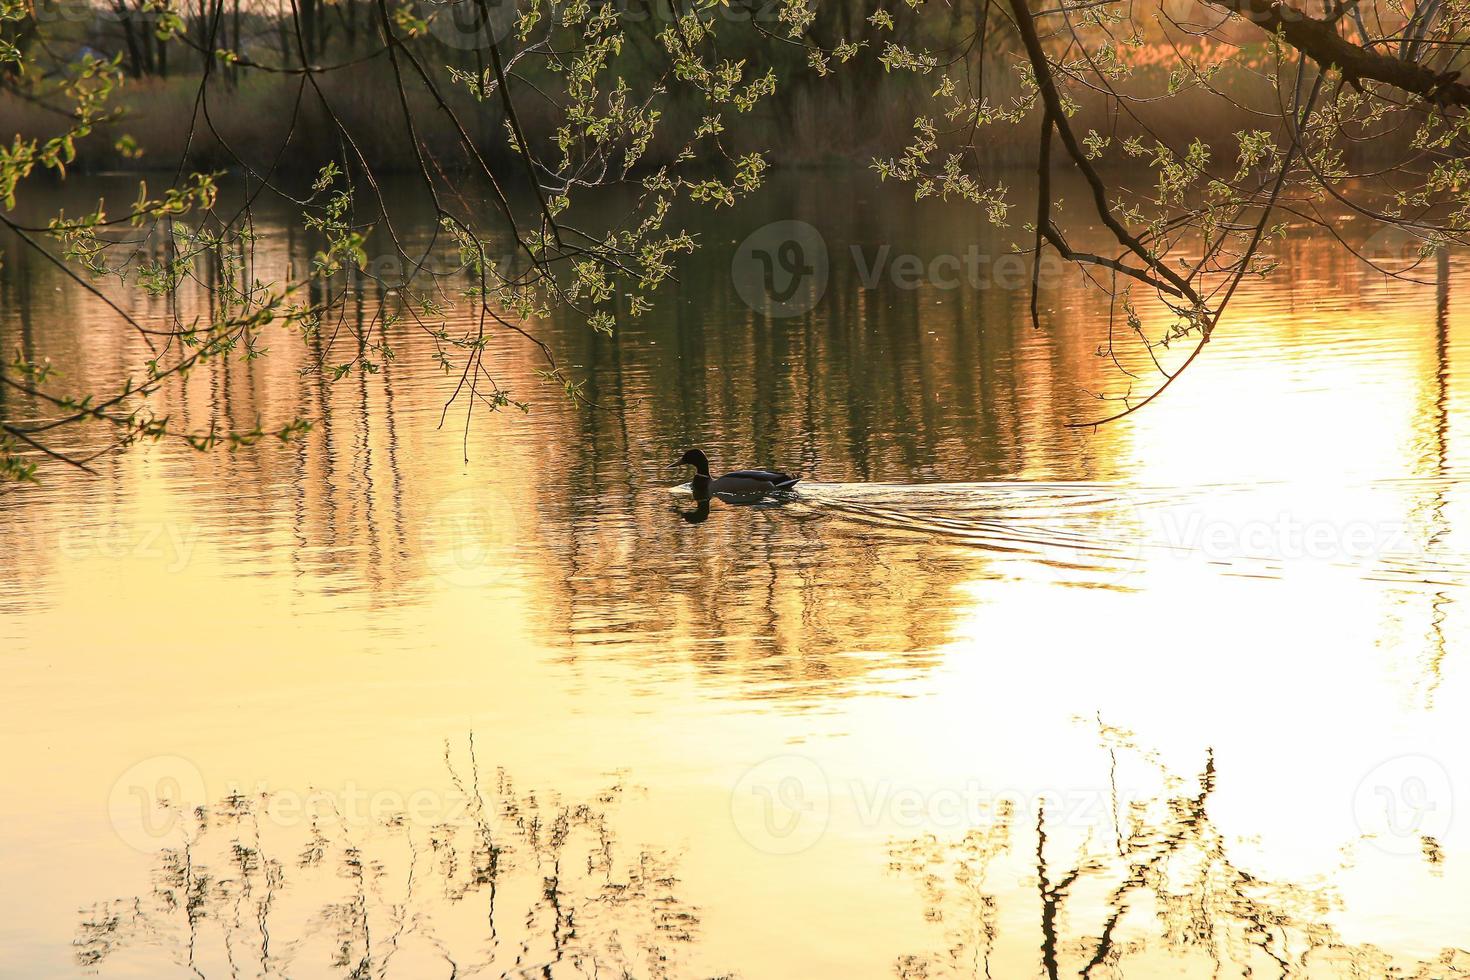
x: 495, y: 881
x: 504, y: 882
x: 1156, y: 887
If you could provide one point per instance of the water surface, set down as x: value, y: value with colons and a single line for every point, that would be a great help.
x: 989, y: 696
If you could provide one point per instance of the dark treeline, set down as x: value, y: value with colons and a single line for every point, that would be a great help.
x: 251, y: 52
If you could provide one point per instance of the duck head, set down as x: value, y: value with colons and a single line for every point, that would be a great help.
x: 695, y: 458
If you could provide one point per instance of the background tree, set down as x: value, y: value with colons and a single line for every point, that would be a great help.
x: 1259, y: 114
x: 1368, y: 119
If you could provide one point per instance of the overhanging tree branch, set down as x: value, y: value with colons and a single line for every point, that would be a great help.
x: 1319, y: 40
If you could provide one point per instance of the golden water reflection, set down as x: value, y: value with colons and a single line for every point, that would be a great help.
x: 490, y: 879
x: 1153, y: 887
x: 1266, y: 566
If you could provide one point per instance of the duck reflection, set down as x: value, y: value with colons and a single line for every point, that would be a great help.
x: 501, y: 882
x: 701, y: 493
x: 698, y: 514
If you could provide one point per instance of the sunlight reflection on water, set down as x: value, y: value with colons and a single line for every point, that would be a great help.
x: 1250, y: 596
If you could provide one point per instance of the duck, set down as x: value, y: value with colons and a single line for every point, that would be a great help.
x: 740, y: 482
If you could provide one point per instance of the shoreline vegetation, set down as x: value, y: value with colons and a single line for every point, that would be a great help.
x: 1213, y: 134
x: 149, y: 132
x: 811, y: 127
x: 256, y: 96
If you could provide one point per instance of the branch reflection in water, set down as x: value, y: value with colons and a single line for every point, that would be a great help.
x: 508, y: 883
x: 1155, y: 888
x: 517, y: 884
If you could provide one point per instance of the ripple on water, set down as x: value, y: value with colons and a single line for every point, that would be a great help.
x: 1393, y: 531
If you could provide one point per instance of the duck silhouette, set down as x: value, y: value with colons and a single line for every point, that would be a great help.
x: 738, y: 483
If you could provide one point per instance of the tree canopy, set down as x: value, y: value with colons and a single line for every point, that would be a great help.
x: 1199, y: 129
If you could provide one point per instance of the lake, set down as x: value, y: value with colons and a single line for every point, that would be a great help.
x: 437, y: 694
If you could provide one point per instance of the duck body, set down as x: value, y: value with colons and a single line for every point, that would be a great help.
x: 738, y: 483
x: 749, y: 481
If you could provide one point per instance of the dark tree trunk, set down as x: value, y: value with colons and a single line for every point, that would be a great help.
x: 308, y: 10
x: 136, y: 62
x: 206, y: 38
